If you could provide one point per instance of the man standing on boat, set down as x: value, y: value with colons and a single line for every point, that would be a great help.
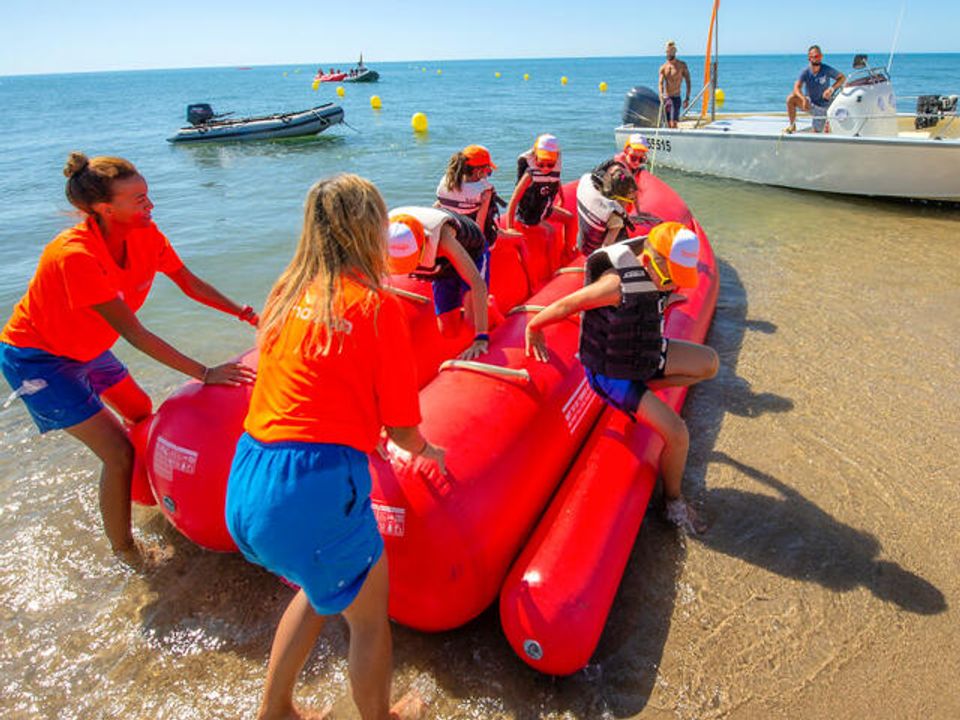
x: 672, y: 74
x: 815, y: 79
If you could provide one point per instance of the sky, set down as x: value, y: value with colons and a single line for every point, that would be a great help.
x: 56, y: 36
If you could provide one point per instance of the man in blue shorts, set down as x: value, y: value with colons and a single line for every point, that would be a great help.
x: 816, y: 79
x: 672, y: 75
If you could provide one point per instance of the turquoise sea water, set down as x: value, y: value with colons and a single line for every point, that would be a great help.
x: 824, y: 452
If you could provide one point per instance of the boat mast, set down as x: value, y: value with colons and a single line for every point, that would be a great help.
x: 710, y: 64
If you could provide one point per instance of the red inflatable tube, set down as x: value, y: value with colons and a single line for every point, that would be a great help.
x: 140, y: 491
x: 508, y: 439
x: 555, y: 601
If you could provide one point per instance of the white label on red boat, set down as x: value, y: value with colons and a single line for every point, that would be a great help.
x: 168, y: 457
x: 390, y: 520
x: 576, y: 406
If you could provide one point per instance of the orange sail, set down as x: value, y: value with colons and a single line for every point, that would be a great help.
x: 708, y: 59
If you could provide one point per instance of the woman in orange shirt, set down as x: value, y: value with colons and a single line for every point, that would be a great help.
x: 89, y: 283
x: 336, y: 366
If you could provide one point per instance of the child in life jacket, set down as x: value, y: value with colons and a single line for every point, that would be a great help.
x: 603, y: 197
x: 452, y: 252
x: 538, y: 184
x: 622, y: 347
x: 465, y: 190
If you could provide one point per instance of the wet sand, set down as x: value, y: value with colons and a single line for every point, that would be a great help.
x: 825, y: 455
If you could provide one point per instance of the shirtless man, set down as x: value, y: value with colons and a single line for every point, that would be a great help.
x: 672, y: 74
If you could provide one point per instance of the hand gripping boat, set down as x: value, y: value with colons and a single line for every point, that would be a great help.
x: 511, y: 426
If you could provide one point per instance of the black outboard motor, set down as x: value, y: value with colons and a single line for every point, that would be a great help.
x: 199, y: 113
x: 641, y: 107
x: 931, y: 109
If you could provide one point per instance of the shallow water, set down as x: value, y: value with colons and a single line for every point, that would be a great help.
x: 825, y: 452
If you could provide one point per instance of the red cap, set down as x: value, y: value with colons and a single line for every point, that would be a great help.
x: 478, y: 156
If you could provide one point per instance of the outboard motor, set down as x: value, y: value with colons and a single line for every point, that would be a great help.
x: 641, y: 107
x: 866, y: 106
x: 931, y: 109
x: 199, y: 113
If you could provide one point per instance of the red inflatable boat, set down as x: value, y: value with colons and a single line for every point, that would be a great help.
x: 512, y: 428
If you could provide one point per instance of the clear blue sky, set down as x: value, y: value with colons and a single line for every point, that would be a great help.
x: 40, y: 36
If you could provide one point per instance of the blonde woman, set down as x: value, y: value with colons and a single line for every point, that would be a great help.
x: 335, y: 367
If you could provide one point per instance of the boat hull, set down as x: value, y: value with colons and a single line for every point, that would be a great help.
x: 299, y: 124
x: 896, y: 167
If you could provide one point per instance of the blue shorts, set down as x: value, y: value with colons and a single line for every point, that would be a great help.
x: 302, y: 510
x: 623, y: 394
x: 672, y: 107
x: 59, y: 392
x: 448, y: 292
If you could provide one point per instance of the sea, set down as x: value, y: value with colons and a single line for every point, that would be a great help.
x: 825, y: 455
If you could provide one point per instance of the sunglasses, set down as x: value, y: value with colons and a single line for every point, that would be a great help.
x: 815, y: 59
x: 664, y: 278
x: 635, y: 156
x: 546, y: 163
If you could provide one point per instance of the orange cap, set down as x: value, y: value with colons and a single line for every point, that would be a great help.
x: 405, y: 240
x: 478, y: 156
x: 681, y: 247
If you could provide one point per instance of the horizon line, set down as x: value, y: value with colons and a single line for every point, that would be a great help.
x: 455, y: 60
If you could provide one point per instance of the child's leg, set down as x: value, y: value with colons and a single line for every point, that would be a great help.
x: 371, y: 651
x: 296, y: 635
x: 676, y: 441
x: 671, y: 427
x: 687, y: 364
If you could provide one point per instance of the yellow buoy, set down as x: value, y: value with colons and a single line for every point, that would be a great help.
x: 439, y: 71
x: 375, y: 102
x: 603, y: 87
x: 497, y: 74
x: 526, y: 76
x: 284, y: 73
x: 315, y: 85
x: 720, y: 96
x: 419, y: 122
x: 423, y: 69
x: 340, y: 91
x: 563, y: 80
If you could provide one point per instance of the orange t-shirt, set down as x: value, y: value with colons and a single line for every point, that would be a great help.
x: 75, y: 272
x: 346, y: 396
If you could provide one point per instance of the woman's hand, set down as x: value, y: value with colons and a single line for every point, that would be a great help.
x: 536, y: 344
x: 230, y: 373
x: 477, y: 348
x: 431, y: 460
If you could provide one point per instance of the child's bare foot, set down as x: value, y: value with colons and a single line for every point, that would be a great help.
x: 682, y: 514
x: 410, y: 707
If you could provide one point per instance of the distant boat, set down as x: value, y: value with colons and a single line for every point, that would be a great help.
x: 205, y: 125
x: 364, y: 75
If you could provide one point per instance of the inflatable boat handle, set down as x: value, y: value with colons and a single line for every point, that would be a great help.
x: 525, y: 309
x: 416, y: 297
x: 565, y: 270
x: 486, y: 368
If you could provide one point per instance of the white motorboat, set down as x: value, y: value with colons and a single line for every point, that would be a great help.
x: 866, y: 147
x: 206, y: 125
